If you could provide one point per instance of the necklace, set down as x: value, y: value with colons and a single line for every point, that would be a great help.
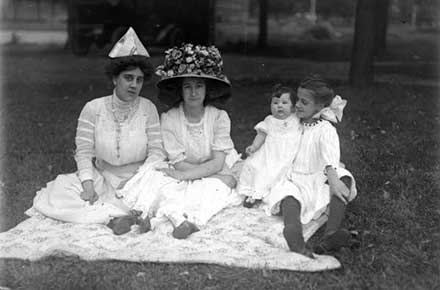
x: 311, y: 124
x: 119, y: 122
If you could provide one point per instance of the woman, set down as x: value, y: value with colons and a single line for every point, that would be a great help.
x: 115, y: 135
x: 196, y: 137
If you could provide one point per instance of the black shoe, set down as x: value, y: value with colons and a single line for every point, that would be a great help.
x: 184, y: 230
x: 144, y: 224
x: 250, y: 202
x: 122, y: 225
x: 334, y: 242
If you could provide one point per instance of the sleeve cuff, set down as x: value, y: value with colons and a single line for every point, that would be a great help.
x: 179, y: 158
x: 84, y: 175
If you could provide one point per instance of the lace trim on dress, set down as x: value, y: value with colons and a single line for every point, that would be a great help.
x: 121, y: 107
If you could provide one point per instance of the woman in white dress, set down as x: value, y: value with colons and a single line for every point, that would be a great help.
x: 116, y: 134
x: 196, y: 137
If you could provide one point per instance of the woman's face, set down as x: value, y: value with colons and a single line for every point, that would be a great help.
x: 128, y: 84
x: 193, y: 91
x: 281, y: 107
x: 305, y: 106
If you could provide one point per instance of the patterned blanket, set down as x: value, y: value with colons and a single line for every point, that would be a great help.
x: 235, y: 237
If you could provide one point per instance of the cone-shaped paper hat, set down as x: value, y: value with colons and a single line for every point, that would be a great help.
x: 128, y: 45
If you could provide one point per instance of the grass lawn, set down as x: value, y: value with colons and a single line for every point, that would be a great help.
x: 389, y: 141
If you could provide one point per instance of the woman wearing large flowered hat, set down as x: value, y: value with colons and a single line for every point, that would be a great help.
x: 115, y: 135
x: 196, y: 136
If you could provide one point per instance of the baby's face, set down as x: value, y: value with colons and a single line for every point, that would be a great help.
x: 281, y: 107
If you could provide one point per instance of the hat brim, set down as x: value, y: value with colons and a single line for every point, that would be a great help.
x: 169, y: 90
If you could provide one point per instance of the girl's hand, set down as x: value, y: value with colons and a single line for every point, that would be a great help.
x: 176, y: 174
x: 250, y: 150
x: 338, y: 188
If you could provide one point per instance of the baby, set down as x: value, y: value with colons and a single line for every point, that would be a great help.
x: 273, y: 147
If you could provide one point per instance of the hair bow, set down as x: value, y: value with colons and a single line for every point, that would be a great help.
x: 333, y: 113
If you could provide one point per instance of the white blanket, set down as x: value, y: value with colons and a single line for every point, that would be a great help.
x: 235, y: 237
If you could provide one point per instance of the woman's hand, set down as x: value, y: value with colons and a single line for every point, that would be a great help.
x: 250, y: 150
x: 176, y: 174
x: 89, y: 194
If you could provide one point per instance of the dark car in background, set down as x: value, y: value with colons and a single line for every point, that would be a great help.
x: 157, y: 22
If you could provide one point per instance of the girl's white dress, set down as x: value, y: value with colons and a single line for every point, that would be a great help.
x: 265, y: 167
x: 197, y: 200
x: 305, y: 180
x: 117, y: 154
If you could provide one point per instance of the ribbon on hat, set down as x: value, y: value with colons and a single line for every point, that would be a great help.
x: 333, y: 113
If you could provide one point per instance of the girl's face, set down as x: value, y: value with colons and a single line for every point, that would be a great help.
x: 193, y: 91
x: 305, y: 105
x: 128, y: 84
x: 281, y: 107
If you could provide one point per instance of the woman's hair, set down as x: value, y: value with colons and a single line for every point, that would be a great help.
x: 211, y: 89
x: 117, y: 65
x: 321, y: 91
x: 278, y: 89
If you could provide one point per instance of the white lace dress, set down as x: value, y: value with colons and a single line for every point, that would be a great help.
x: 305, y: 180
x: 197, y: 200
x: 118, y: 149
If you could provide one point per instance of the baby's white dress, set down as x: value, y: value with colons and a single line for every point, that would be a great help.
x: 265, y: 167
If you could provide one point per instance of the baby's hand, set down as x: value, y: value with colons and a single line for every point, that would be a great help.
x: 250, y: 150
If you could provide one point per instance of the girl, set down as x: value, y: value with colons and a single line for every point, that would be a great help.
x: 272, y: 149
x: 313, y: 180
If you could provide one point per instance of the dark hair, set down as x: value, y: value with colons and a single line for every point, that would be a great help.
x: 278, y: 89
x: 215, y: 95
x: 321, y: 91
x: 117, y: 65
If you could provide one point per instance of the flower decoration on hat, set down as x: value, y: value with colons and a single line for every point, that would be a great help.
x: 129, y: 45
x: 192, y: 60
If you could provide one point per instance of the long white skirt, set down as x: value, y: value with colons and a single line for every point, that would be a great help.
x: 196, y: 201
x: 61, y: 200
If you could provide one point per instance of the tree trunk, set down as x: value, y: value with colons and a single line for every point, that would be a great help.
x: 312, y: 12
x: 414, y: 9
x: 212, y: 20
x: 262, y: 34
x: 381, y: 19
x: 361, y: 68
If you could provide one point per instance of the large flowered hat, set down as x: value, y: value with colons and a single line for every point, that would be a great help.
x: 191, y: 60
